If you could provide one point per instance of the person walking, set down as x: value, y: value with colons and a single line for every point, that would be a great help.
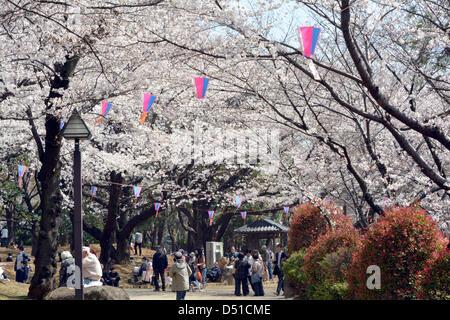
x: 138, y: 243
x: 240, y: 275
x: 280, y: 257
x: 67, y: 269
x: 159, y: 265
x: 257, y: 272
x: 180, y: 273
x: 22, y: 256
x: 200, y: 263
x: 4, y: 237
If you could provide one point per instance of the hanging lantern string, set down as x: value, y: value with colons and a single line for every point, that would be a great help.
x: 227, y: 212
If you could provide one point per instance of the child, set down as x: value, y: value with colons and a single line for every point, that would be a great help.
x: 114, y: 277
x: 10, y: 258
x: 22, y: 273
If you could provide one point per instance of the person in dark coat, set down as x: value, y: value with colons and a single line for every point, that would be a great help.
x: 280, y: 257
x: 9, y: 258
x: 240, y: 275
x: 22, y: 256
x: 114, y: 277
x: 22, y: 273
x: 105, y: 277
x: 215, y: 273
x: 159, y: 265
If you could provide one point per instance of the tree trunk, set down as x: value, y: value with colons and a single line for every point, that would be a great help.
x: 153, y: 239
x: 160, y: 235
x: 11, y: 225
x: 44, y: 280
x: 35, y: 241
x: 109, y: 231
x: 123, y: 248
x: 199, y: 222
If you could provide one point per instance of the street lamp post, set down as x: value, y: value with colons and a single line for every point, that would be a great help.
x: 76, y: 129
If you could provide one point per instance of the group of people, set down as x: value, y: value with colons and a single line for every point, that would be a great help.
x: 153, y: 271
x: 251, y: 266
x: 188, y: 271
x: 94, y: 273
x: 21, y: 266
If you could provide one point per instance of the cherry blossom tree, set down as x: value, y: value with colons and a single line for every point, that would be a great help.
x: 369, y: 133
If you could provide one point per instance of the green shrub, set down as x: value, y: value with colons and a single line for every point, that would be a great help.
x: 329, y: 290
x: 293, y: 274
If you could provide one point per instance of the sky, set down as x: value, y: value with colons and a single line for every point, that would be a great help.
x: 284, y: 20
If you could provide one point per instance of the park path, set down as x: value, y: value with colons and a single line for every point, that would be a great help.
x: 213, y: 292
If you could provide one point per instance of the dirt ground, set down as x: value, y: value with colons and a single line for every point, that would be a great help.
x: 212, y: 292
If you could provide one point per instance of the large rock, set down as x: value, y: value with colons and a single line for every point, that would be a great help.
x: 92, y: 293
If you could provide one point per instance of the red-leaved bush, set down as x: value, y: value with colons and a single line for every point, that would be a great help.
x: 306, y: 225
x: 433, y: 282
x: 400, y: 244
x: 341, y: 236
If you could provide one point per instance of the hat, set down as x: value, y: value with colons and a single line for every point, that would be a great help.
x: 264, y: 247
x: 178, y: 255
x: 86, y: 249
x: 65, y: 255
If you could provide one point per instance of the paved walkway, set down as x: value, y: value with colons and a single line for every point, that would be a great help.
x: 213, y: 292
